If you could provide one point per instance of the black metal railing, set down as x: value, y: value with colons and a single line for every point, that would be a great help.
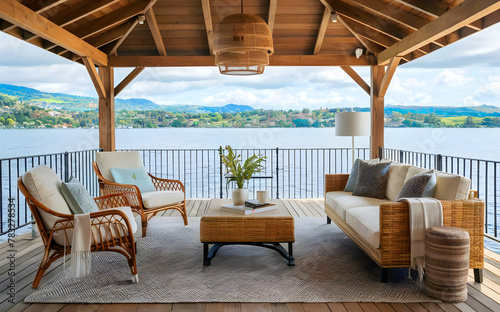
x: 288, y: 173
x: 77, y: 164
x: 483, y: 174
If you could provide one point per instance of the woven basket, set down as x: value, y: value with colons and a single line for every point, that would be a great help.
x: 447, y: 252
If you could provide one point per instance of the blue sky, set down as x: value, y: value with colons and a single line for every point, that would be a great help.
x: 464, y: 73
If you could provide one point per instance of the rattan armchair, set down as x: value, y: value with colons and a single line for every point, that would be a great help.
x: 132, y: 192
x: 112, y: 231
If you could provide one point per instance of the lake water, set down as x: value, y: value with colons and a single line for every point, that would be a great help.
x: 481, y: 143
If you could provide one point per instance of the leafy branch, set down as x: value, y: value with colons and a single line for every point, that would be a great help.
x: 237, y: 172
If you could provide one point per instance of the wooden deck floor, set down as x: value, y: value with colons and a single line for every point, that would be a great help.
x: 482, y: 297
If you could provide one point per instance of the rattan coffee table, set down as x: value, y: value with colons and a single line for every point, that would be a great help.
x: 264, y: 229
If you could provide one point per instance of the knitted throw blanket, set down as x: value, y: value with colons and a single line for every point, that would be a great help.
x: 80, y: 247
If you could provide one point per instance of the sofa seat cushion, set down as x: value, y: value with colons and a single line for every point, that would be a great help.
x: 365, y: 221
x: 341, y: 202
x: 161, y: 198
x: 45, y: 186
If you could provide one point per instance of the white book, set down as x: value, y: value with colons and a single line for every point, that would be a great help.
x: 247, y: 210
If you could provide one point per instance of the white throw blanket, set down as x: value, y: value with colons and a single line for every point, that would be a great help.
x: 80, y: 247
x: 424, y: 213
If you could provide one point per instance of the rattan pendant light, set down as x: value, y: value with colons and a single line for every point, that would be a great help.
x: 242, y: 45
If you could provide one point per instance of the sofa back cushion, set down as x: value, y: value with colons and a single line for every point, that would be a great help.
x: 396, y: 180
x: 451, y: 186
x: 45, y: 186
x: 107, y: 160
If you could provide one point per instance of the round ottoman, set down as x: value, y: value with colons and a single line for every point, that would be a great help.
x: 446, y: 263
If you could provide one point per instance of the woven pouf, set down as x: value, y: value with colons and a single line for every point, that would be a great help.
x: 446, y: 263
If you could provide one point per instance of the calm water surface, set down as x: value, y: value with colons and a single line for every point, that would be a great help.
x: 481, y: 143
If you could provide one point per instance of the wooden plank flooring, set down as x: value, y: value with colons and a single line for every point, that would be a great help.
x: 482, y: 297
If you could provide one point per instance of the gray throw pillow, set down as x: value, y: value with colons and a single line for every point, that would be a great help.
x: 372, y: 180
x: 77, y: 197
x: 418, y: 185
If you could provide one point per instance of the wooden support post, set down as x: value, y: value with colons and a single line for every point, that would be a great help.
x: 107, y: 110
x: 377, y: 111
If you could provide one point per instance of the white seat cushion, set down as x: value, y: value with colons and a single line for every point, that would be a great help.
x: 341, y: 202
x: 107, y: 160
x: 451, y: 186
x: 396, y: 180
x: 161, y: 198
x: 365, y: 221
x: 45, y: 186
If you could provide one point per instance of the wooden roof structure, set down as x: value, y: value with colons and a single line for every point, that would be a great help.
x: 146, y: 33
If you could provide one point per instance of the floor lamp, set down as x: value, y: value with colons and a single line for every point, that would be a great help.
x: 352, y: 124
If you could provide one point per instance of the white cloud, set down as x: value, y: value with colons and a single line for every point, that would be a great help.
x: 453, y: 78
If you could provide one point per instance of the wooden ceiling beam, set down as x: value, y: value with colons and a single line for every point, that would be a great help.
x: 365, y: 18
x: 271, y: 17
x: 17, y: 14
x: 356, y: 77
x: 207, y: 16
x: 94, y: 76
x: 370, y: 46
x: 38, y: 7
x: 389, y: 73
x: 450, y: 21
x: 112, y: 19
x: 125, y: 35
x: 275, y: 60
x: 127, y: 80
x: 322, y: 30
x: 110, y: 35
x: 155, y: 31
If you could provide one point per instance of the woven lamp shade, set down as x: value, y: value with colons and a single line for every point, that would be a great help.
x: 242, y: 45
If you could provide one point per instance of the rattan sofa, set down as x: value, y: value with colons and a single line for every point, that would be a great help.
x: 393, y: 226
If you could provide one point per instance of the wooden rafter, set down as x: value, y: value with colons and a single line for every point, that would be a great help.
x: 17, y: 14
x: 77, y: 12
x: 127, y: 80
x: 110, y: 35
x: 125, y: 35
x: 322, y: 30
x: 356, y: 77
x: 389, y: 73
x: 271, y: 18
x: 370, y: 46
x: 155, y: 31
x: 450, y: 21
x: 36, y: 6
x: 275, y: 60
x: 207, y: 16
x: 94, y: 76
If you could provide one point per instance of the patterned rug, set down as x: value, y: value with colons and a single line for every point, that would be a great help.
x: 329, y: 268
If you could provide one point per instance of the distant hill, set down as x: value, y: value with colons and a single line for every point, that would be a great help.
x: 82, y: 103
x: 474, y: 111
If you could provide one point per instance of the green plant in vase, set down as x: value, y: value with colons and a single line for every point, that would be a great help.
x: 239, y: 172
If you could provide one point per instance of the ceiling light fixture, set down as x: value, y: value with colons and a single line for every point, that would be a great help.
x: 242, y: 44
x: 358, y: 52
x: 141, y: 19
x: 335, y: 17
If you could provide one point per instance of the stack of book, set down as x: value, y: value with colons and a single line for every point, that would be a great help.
x: 251, y: 206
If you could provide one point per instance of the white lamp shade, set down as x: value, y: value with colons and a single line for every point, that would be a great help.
x: 352, y: 124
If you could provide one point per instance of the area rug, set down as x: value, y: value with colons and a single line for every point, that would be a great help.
x: 329, y: 268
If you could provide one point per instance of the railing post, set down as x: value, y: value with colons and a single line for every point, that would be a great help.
x: 66, y: 166
x: 439, y: 162
x: 220, y: 164
x: 380, y: 151
x: 401, y: 155
x: 277, y: 174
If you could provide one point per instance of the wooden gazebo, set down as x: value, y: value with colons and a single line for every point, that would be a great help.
x: 146, y: 33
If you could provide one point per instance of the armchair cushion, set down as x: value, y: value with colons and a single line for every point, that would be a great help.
x: 161, y: 198
x: 77, y: 197
x: 136, y: 176
x: 45, y: 186
x: 107, y: 160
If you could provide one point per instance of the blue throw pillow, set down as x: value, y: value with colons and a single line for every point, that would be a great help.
x: 353, y: 177
x: 136, y: 176
x: 77, y: 197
